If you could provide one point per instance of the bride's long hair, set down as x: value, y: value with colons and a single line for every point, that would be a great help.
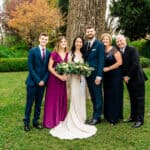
x: 73, y: 48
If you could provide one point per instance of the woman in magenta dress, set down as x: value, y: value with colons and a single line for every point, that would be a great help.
x: 55, y: 108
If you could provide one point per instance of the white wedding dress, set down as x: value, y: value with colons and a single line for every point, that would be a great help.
x: 74, y: 127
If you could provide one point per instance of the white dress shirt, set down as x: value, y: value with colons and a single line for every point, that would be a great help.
x: 42, y: 50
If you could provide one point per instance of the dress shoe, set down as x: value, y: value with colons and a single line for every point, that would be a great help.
x: 137, y: 124
x: 129, y: 120
x: 88, y: 121
x: 37, y: 126
x: 112, y: 124
x: 26, y: 128
x: 93, y: 122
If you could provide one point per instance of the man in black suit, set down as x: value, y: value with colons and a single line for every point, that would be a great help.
x: 134, y: 78
x: 94, y: 56
x: 36, y: 80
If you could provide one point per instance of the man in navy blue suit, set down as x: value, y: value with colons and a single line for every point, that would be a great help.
x: 94, y: 56
x: 36, y: 80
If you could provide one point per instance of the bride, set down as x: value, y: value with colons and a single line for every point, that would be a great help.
x: 74, y: 127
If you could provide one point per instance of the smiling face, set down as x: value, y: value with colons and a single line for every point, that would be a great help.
x: 121, y: 41
x: 43, y: 40
x: 106, y: 41
x: 78, y: 43
x: 90, y: 33
x: 63, y: 43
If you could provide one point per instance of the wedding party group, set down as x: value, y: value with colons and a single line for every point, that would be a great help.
x: 65, y: 112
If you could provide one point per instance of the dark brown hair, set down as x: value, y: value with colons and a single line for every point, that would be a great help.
x: 90, y: 27
x: 73, y: 47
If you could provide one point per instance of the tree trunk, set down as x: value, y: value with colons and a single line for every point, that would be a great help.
x: 82, y: 13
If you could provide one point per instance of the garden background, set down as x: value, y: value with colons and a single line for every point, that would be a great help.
x: 14, y: 48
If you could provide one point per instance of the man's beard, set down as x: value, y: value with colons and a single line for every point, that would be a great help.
x: 90, y: 37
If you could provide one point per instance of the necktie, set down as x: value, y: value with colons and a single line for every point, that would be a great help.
x: 43, y: 53
x: 88, y: 46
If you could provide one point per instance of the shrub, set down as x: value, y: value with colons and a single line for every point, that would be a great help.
x: 14, y: 42
x: 146, y: 50
x: 6, y: 52
x: 20, y: 64
x: 145, y: 62
x: 143, y: 47
x: 13, y: 64
x: 140, y: 44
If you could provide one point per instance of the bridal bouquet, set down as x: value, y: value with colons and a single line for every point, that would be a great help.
x: 74, y: 68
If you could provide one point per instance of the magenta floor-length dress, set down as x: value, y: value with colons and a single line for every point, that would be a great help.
x: 55, y: 108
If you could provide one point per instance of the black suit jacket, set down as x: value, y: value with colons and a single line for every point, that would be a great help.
x: 131, y: 65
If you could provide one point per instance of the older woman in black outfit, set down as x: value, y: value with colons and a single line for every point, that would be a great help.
x: 112, y: 82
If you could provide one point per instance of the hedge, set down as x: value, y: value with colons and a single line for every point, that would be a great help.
x: 145, y: 62
x: 20, y: 64
x: 13, y: 64
x: 143, y: 46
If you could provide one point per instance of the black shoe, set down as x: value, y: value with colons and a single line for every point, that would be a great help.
x: 112, y: 124
x: 88, y: 121
x: 137, y: 124
x: 26, y: 128
x: 37, y: 126
x: 93, y: 122
x: 129, y: 120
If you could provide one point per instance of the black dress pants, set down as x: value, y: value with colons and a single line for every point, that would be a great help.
x: 137, y: 100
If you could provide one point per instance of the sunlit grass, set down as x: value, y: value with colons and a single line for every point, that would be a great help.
x: 13, y: 137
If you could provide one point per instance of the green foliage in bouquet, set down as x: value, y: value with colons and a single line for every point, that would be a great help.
x: 62, y: 68
x: 74, y: 68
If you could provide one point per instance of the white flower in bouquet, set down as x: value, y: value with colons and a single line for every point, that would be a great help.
x: 77, y: 68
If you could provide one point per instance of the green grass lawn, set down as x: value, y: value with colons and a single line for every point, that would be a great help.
x: 13, y: 137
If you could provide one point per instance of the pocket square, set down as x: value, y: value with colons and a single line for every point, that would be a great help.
x: 93, y: 50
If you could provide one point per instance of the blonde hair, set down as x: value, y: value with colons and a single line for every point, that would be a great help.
x: 107, y: 35
x: 57, y: 47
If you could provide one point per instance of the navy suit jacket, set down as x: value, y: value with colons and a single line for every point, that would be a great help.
x: 95, y: 58
x: 38, y: 68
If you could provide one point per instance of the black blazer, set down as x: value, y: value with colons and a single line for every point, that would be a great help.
x: 131, y: 65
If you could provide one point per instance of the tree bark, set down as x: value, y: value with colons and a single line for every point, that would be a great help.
x: 82, y: 13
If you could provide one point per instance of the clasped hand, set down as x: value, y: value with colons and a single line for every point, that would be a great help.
x: 64, y: 77
x: 41, y: 83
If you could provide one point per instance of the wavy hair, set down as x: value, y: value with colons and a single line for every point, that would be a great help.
x: 57, y: 47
